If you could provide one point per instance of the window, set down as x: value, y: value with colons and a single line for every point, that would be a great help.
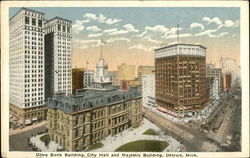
x: 68, y: 29
x: 33, y: 22
x: 64, y: 28
x: 40, y: 23
x: 59, y: 27
x: 27, y: 20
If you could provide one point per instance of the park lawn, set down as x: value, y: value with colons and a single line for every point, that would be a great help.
x: 144, y: 146
x: 95, y: 146
x: 44, y: 138
x: 150, y: 132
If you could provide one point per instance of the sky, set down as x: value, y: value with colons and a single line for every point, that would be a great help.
x: 132, y: 33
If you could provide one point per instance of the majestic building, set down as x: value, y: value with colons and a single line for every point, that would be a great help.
x: 144, y: 70
x: 148, y: 90
x: 216, y: 74
x: 26, y: 65
x: 77, y: 79
x: 88, y: 78
x: 126, y: 72
x: 181, y: 79
x: 76, y: 122
x: 58, y: 75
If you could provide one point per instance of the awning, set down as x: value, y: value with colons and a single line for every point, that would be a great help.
x: 166, y: 111
x: 34, y: 119
x: 27, y: 121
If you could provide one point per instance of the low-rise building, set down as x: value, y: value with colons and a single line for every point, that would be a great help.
x: 77, y: 79
x: 88, y: 78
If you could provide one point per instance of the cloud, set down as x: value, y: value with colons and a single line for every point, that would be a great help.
x: 207, y: 32
x: 223, y: 33
x: 90, y: 16
x: 180, y: 36
x: 95, y: 43
x: 112, y: 40
x: 101, y: 18
x: 141, y: 47
x: 154, y: 29
x: 93, y: 28
x: 148, y: 38
x: 89, y: 41
x: 215, y: 20
x: 83, y: 47
x: 157, y: 28
x: 95, y: 35
x: 128, y: 28
x: 78, y: 26
x: 111, y: 21
x: 194, y: 25
x: 230, y: 23
x: 110, y: 30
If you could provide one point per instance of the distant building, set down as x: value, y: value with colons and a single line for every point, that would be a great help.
x: 126, y: 72
x: 214, y: 88
x: 113, y: 77
x: 88, y: 78
x: 148, y: 90
x: 144, y: 70
x: 228, y: 82
x: 228, y: 66
x: 181, y: 79
x: 212, y: 72
x: 124, y: 85
x: 58, y: 35
x: 76, y: 122
x: 77, y: 79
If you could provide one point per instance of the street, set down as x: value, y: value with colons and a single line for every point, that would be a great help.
x: 19, y: 142
x: 195, y: 140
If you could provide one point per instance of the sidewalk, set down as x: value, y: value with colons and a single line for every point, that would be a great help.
x: 16, y: 131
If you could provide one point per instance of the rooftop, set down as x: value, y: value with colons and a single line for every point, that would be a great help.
x: 59, y: 18
x: 90, y: 98
x: 31, y: 10
x: 180, y: 44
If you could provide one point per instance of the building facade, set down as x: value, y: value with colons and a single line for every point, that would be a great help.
x: 228, y: 66
x: 88, y: 78
x: 181, y: 79
x: 26, y: 65
x: 212, y: 72
x: 113, y: 77
x: 77, y: 79
x: 126, y: 72
x: 214, y: 88
x: 144, y: 70
x: 148, y: 90
x: 58, y: 73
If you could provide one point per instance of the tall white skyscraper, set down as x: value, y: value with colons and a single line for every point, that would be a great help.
x: 58, y: 35
x: 39, y: 62
x: 26, y: 62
